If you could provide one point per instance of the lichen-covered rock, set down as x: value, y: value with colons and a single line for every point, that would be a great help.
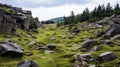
x: 13, y: 17
x: 89, y: 43
x: 114, y: 29
x: 10, y: 49
x: 107, y: 56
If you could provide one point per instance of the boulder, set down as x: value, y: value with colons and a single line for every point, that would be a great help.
x: 10, y: 49
x: 89, y: 43
x: 107, y: 56
x: 114, y: 29
x: 27, y: 63
x: 115, y: 37
x: 14, y: 17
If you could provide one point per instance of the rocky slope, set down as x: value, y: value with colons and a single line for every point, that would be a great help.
x: 14, y: 17
x: 83, y: 44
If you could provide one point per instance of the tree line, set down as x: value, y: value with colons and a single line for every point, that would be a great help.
x: 98, y: 13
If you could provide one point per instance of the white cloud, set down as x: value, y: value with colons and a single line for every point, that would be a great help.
x: 52, y: 12
x: 45, y: 13
x: 37, y: 1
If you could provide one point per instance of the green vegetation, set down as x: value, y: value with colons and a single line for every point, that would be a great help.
x: 64, y: 51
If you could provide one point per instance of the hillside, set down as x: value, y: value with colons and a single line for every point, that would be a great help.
x: 67, y: 45
x: 58, y: 19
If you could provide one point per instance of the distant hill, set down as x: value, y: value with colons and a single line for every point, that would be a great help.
x: 58, y: 19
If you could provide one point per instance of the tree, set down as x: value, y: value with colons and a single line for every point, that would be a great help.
x: 103, y: 10
x: 117, y: 7
x: 72, y: 17
x: 109, y: 10
x: 94, y: 12
x: 85, y: 15
x: 99, y: 11
x: 77, y: 18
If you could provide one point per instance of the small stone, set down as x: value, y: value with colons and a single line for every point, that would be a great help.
x: 48, y: 51
x: 51, y: 46
x: 28, y: 53
x: 52, y: 38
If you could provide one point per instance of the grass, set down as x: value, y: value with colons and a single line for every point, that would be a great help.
x: 64, y: 47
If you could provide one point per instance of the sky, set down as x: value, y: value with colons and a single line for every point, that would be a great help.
x: 48, y: 9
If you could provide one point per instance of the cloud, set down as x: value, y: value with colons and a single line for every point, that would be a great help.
x: 47, y: 9
x: 43, y: 3
x: 45, y: 13
x: 58, y: 11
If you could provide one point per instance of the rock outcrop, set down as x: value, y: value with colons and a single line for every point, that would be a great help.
x: 13, y: 17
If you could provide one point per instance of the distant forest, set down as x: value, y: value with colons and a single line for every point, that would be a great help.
x: 98, y: 13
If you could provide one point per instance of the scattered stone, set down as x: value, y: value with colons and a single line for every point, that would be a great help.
x: 63, y: 37
x: 74, y: 31
x: 42, y: 57
x: 27, y: 63
x: 107, y: 41
x: 28, y: 53
x: 84, y: 50
x: 115, y: 37
x: 84, y: 57
x: 77, y: 64
x: 52, y: 38
x: 89, y: 43
x: 32, y: 43
x: 48, y: 51
x: 98, y: 26
x: 95, y: 48
x: 80, y: 64
x: 10, y: 49
x: 70, y: 37
x: 107, y: 56
x: 51, y: 46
